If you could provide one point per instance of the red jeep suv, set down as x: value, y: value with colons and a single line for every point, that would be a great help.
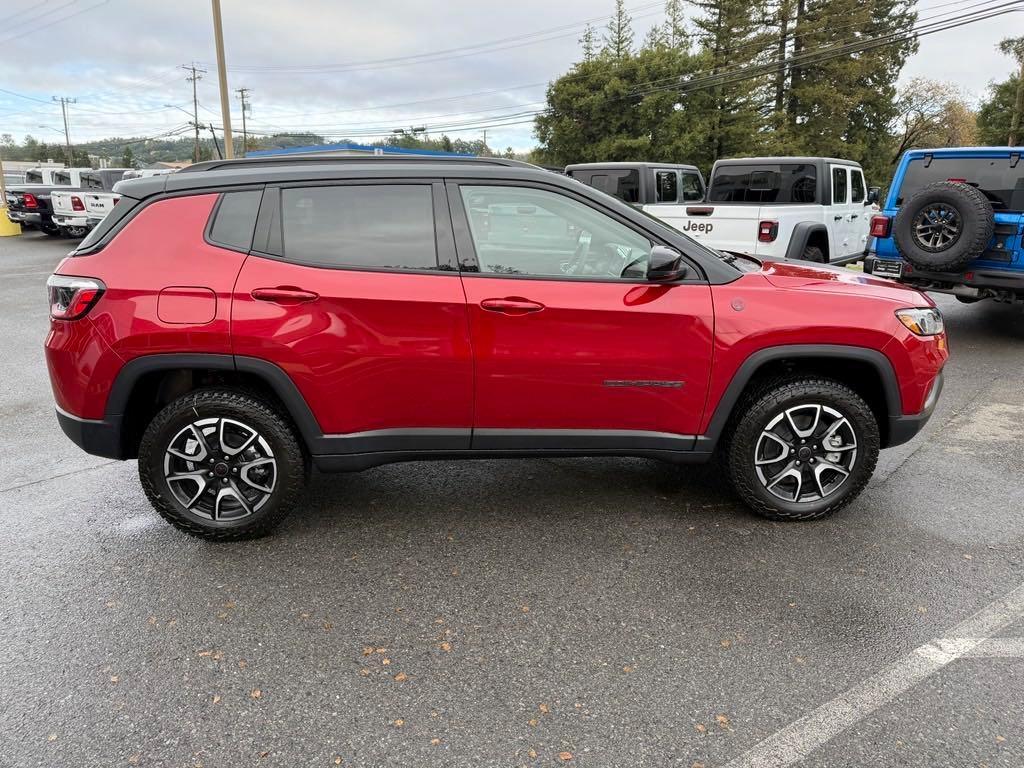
x: 238, y: 323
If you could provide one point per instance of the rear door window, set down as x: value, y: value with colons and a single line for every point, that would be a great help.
x: 765, y: 183
x: 666, y: 186
x: 997, y: 179
x: 380, y: 226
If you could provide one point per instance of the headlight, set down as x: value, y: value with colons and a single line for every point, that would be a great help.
x: 923, y: 322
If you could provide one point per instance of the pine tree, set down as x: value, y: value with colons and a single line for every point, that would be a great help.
x: 618, y: 40
x: 589, y: 43
x: 675, y: 25
x: 732, y: 40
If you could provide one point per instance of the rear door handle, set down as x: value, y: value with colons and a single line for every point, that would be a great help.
x: 511, y: 305
x: 284, y: 294
x: 837, y: 218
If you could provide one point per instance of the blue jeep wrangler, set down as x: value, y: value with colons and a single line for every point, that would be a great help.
x: 953, y: 222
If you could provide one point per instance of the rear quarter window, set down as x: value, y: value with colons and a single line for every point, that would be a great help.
x: 234, y: 219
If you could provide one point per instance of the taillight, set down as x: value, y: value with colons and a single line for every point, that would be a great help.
x: 29, y: 200
x: 880, y: 226
x: 72, y: 297
x: 767, y: 231
x: 76, y: 204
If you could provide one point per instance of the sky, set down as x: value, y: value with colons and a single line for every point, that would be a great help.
x: 347, y: 69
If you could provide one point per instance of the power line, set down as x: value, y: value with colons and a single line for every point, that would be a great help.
x: 55, y: 21
x: 195, y: 77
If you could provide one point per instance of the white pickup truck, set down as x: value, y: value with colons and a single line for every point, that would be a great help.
x: 812, y: 208
x: 76, y: 211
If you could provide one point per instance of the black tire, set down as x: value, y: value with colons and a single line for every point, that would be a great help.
x: 274, y: 432
x: 76, y: 233
x: 761, y: 408
x: 967, y: 299
x: 815, y: 254
x: 958, y: 211
x: 51, y: 229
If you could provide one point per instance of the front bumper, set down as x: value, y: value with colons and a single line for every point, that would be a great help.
x: 904, y: 428
x: 100, y: 437
x: 70, y: 221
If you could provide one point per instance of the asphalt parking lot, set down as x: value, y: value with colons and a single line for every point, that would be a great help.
x: 551, y: 612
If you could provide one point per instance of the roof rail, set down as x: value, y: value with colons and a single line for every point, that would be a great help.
x: 327, y: 158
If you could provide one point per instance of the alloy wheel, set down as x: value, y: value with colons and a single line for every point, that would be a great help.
x: 806, y: 453
x: 937, y: 227
x: 220, y: 469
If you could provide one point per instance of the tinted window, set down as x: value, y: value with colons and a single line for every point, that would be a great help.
x: 623, y: 184
x: 91, y: 181
x: 838, y: 185
x: 667, y: 183
x: 62, y: 177
x: 33, y: 177
x: 236, y: 219
x: 857, y: 185
x: 383, y: 226
x: 693, y: 191
x: 524, y: 231
x: 764, y: 183
x: 1001, y: 184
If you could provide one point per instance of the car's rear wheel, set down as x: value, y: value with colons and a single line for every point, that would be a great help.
x: 814, y: 253
x: 801, y: 449
x: 50, y: 229
x: 75, y: 232
x: 221, y: 464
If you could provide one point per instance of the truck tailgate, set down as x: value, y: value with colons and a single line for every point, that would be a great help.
x: 724, y: 227
x: 62, y: 202
x: 99, y: 204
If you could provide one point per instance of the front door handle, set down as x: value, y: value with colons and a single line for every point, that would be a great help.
x: 837, y: 218
x: 511, y: 305
x: 853, y: 216
x: 284, y: 294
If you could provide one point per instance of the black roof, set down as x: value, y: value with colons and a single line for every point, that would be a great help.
x: 312, y: 158
x: 782, y: 159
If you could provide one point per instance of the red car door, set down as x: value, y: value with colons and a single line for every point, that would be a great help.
x: 573, y: 347
x: 352, y: 290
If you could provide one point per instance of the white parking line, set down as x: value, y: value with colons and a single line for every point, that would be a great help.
x: 969, y: 638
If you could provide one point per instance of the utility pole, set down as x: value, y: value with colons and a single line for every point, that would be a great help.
x: 484, y: 150
x: 197, y: 74
x: 242, y: 94
x: 222, y: 76
x: 64, y: 101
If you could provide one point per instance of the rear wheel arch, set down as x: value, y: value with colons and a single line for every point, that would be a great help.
x: 146, y: 384
x: 808, y: 233
x: 867, y: 372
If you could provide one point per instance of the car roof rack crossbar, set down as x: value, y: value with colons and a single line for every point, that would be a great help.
x: 326, y: 158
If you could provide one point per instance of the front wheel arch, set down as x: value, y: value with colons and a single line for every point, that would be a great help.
x: 867, y: 371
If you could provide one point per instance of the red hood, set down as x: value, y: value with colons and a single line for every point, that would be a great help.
x: 822, y: 277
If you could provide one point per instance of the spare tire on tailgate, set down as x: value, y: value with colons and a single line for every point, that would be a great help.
x: 943, y: 226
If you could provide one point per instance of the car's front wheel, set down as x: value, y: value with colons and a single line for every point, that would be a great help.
x: 221, y: 464
x: 801, y: 449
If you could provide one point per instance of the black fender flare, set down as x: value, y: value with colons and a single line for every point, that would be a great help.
x: 801, y: 234
x: 750, y: 366
x: 275, y: 378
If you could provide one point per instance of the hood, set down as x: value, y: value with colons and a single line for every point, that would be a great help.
x: 830, y: 279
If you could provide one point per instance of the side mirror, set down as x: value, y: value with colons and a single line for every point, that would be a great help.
x: 665, y: 264
x: 873, y: 195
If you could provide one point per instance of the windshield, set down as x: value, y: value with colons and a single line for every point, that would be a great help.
x: 995, y: 177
